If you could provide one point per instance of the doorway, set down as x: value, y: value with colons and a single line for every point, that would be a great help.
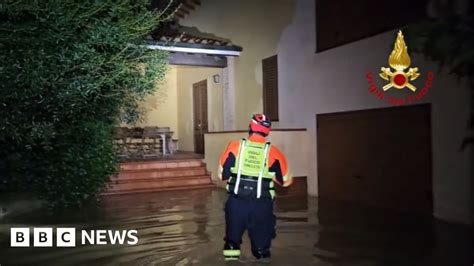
x: 378, y: 157
x: 200, y: 115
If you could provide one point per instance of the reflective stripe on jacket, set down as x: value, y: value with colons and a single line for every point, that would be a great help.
x: 275, y: 168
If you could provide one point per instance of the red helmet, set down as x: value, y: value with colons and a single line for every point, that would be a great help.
x: 260, y: 123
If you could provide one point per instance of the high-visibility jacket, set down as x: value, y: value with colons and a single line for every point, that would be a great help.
x: 251, y: 166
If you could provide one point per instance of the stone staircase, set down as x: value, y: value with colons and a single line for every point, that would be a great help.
x: 159, y: 175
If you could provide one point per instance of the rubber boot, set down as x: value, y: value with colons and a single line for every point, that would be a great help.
x: 262, y: 255
x: 231, y: 251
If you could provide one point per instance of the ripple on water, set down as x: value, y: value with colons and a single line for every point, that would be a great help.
x: 187, y: 227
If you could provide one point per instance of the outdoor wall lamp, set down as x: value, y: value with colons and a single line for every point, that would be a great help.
x: 216, y: 78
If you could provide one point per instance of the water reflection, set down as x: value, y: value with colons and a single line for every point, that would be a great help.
x: 187, y: 227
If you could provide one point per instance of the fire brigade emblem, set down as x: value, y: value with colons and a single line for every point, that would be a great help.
x: 399, y: 60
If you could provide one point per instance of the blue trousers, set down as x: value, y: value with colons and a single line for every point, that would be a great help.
x: 254, y: 215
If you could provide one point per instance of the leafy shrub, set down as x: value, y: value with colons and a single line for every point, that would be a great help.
x: 70, y: 72
x: 448, y: 40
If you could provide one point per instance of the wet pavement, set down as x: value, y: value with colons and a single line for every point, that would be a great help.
x: 187, y: 227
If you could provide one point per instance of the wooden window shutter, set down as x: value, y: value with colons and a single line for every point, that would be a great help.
x: 270, y: 87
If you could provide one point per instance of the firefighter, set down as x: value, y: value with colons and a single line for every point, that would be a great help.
x: 251, y: 166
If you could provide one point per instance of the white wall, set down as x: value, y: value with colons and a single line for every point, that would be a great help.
x: 254, y: 25
x: 334, y: 81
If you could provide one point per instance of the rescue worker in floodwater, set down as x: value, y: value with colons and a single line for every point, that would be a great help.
x: 251, y: 166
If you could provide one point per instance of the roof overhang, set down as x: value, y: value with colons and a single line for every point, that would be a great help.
x: 193, y: 50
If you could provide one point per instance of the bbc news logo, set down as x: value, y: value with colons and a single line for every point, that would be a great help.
x: 66, y: 237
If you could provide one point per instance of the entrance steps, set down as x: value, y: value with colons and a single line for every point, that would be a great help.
x: 159, y: 175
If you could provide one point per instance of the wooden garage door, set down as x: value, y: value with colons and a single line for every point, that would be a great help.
x: 378, y: 157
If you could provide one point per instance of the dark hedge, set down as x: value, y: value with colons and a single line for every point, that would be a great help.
x: 70, y: 71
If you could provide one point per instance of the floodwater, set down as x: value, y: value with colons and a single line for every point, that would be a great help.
x: 187, y: 227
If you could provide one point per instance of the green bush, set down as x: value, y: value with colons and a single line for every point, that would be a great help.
x: 70, y: 72
x: 448, y: 40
